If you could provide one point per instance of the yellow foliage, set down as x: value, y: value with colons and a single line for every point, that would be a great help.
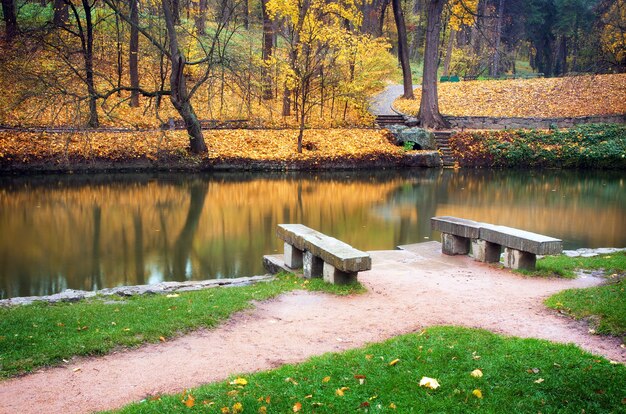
x: 613, y: 36
x: 574, y: 96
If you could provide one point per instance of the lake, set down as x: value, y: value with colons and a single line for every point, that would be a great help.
x: 95, y: 231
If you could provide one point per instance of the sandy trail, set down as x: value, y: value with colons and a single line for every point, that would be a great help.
x: 407, y: 291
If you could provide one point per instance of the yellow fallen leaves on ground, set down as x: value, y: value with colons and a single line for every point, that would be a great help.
x: 223, y: 144
x: 571, y: 96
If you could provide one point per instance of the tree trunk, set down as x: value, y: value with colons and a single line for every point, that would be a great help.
x: 268, y: 43
x: 429, y: 115
x: 133, y: 60
x: 381, y: 20
x: 495, y: 64
x: 179, y: 95
x: 446, y: 62
x: 88, y: 58
x: 10, y: 20
x: 403, y: 49
x: 561, y: 62
x: 201, y: 18
x: 61, y: 13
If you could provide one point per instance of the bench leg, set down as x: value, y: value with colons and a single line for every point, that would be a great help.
x: 312, y: 265
x: 453, y: 245
x: 293, y: 257
x: 337, y: 277
x: 517, y: 259
x: 485, y: 251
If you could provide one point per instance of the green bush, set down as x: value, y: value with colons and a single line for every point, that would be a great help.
x: 584, y: 146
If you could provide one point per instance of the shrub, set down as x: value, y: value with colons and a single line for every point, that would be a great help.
x: 584, y: 146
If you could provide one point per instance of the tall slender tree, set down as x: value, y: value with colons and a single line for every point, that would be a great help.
x: 403, y: 50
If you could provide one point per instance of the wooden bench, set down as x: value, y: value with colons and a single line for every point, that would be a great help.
x: 320, y: 255
x: 487, y: 240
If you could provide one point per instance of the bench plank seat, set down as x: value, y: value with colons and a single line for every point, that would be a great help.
x: 525, y: 241
x: 335, y: 252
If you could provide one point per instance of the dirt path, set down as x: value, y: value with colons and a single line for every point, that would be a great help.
x: 407, y: 291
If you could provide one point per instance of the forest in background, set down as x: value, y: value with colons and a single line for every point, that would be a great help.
x: 301, y: 63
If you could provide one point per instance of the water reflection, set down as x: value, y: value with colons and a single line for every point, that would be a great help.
x: 90, y: 232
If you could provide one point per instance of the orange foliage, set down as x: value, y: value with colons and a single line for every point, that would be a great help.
x: 574, y: 96
x: 223, y: 144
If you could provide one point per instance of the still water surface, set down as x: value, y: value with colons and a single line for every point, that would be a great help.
x: 91, y: 232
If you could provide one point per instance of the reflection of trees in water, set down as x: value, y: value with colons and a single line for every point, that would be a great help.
x: 90, y: 231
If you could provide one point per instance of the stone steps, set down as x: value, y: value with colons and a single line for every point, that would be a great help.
x: 386, y: 120
x: 443, y: 144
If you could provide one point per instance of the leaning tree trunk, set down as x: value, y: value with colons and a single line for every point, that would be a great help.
x: 429, y: 115
x: 180, y: 96
x: 403, y: 50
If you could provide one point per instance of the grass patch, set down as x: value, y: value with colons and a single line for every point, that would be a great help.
x: 44, y: 334
x: 604, y: 306
x: 564, y: 266
x: 519, y: 375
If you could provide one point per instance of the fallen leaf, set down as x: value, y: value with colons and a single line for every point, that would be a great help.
x: 172, y: 295
x: 239, y: 381
x: 237, y: 408
x: 297, y: 407
x: 394, y: 362
x: 341, y: 391
x: 189, y: 401
x: 262, y: 410
x: 477, y: 373
x: 539, y: 381
x: 162, y: 338
x: 326, y: 379
x: 431, y: 383
x: 392, y: 406
x: 76, y: 369
x: 478, y: 393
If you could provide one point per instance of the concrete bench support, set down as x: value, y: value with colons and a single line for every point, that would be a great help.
x: 485, y: 251
x: 320, y: 255
x: 336, y: 276
x: 293, y: 256
x: 456, y: 233
x: 517, y: 259
x: 453, y: 245
x: 312, y: 266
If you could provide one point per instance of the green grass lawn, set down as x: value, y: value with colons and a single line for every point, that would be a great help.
x: 41, y: 334
x: 604, y: 306
x: 566, y: 266
x: 516, y: 375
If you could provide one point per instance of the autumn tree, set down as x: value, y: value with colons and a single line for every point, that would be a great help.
x: 613, y: 33
x: 462, y: 13
x: 315, y: 32
x: 429, y: 115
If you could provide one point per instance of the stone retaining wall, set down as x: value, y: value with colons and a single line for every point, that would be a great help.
x: 484, y: 122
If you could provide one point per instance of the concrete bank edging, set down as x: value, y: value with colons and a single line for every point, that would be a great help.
x: 71, y: 295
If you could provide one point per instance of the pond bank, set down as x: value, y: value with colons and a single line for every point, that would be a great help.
x: 236, y: 149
